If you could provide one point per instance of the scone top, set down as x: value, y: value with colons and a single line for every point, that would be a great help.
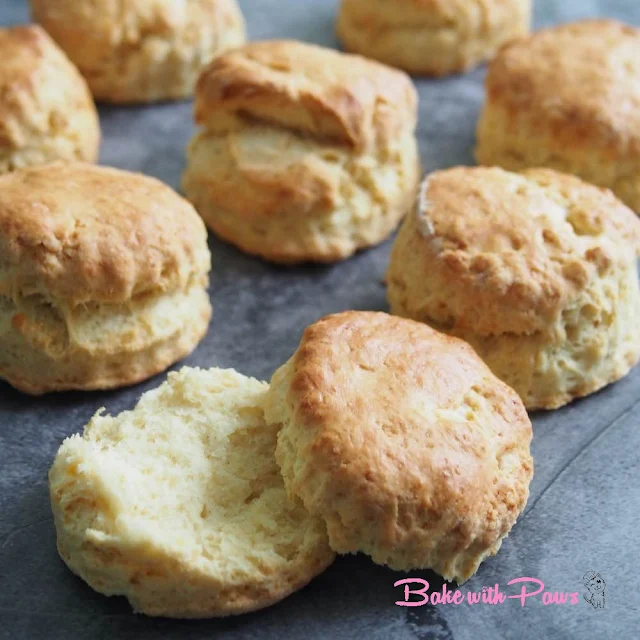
x: 507, y: 252
x: 469, y: 17
x: 312, y: 90
x: 403, y: 440
x: 431, y: 37
x: 579, y: 81
x: 80, y: 233
x: 92, y: 32
x: 38, y: 86
x: 25, y: 50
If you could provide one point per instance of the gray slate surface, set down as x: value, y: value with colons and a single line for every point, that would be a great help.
x: 584, y: 512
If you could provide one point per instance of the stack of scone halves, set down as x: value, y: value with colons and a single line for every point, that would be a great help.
x: 219, y: 494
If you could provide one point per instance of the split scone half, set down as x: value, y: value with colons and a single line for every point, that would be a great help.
x: 537, y: 271
x: 304, y: 153
x: 179, y: 505
x: 402, y: 440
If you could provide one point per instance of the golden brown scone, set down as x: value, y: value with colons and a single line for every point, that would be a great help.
x: 179, y: 505
x: 568, y: 98
x: 103, y: 278
x: 141, y: 50
x: 46, y: 110
x: 305, y: 154
x: 403, y: 441
x: 431, y: 37
x: 537, y: 271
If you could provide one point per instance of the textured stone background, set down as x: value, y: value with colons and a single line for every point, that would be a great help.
x: 584, y: 512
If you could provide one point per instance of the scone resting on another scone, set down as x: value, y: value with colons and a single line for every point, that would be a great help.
x: 304, y: 153
x: 46, y: 110
x: 141, y: 50
x: 431, y: 37
x: 103, y: 277
x: 537, y: 271
x: 403, y: 441
x: 179, y: 504
x: 568, y: 98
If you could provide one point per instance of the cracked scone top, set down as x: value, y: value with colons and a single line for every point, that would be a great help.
x: 304, y: 153
x: 179, y: 504
x: 431, y: 37
x: 536, y: 270
x: 403, y: 441
x: 568, y: 98
x: 141, y: 50
x: 46, y: 110
x: 103, y: 277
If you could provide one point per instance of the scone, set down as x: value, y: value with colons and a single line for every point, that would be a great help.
x: 403, y: 441
x: 304, y: 153
x: 179, y: 504
x: 431, y: 37
x: 46, y: 110
x: 103, y: 278
x: 537, y: 271
x: 141, y: 50
x: 568, y: 98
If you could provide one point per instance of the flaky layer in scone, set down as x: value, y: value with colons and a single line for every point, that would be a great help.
x: 536, y: 270
x: 179, y: 504
x: 141, y: 50
x: 432, y: 37
x: 46, y: 110
x: 103, y: 278
x: 568, y: 98
x: 304, y: 153
x: 403, y: 441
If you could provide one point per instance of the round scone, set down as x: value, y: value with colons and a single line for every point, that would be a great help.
x: 403, y: 441
x: 179, y: 505
x: 431, y: 37
x: 304, y: 153
x: 46, y: 110
x: 141, y: 50
x: 103, y: 278
x: 568, y: 98
x: 537, y: 271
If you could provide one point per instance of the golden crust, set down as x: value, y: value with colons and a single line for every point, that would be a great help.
x: 540, y: 257
x: 431, y: 37
x: 46, y: 109
x: 568, y: 98
x: 402, y: 440
x: 103, y: 278
x: 141, y: 50
x: 309, y: 89
x: 517, y: 247
x: 306, y: 154
x: 95, y: 234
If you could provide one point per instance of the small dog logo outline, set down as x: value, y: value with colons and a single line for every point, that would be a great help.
x: 595, y: 584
